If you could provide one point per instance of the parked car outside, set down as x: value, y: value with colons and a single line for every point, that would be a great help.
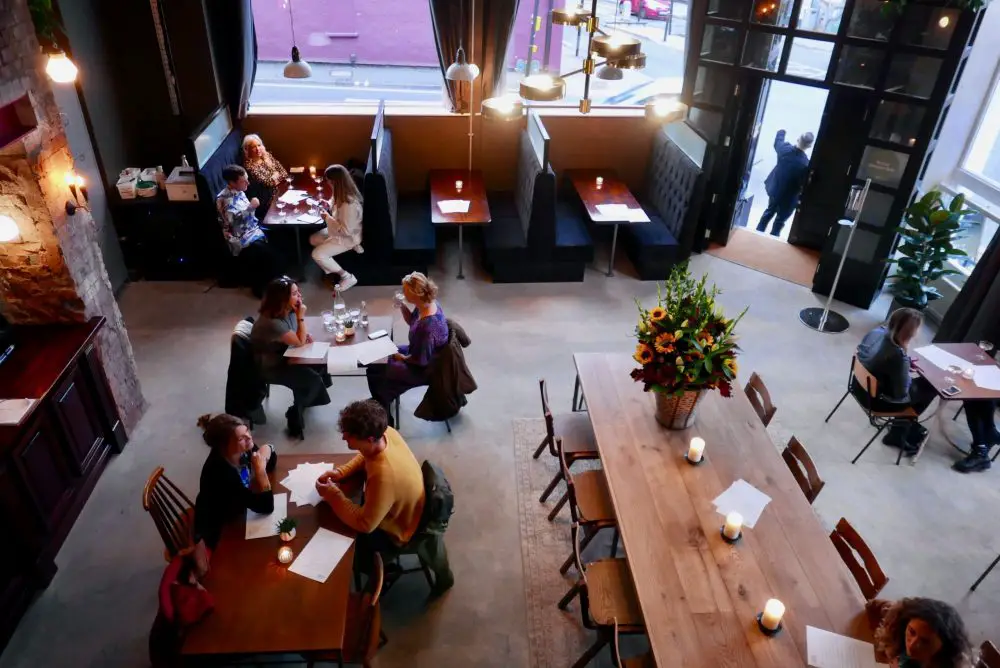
x: 651, y: 9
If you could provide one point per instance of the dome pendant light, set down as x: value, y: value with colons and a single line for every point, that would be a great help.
x: 461, y: 70
x: 296, y: 68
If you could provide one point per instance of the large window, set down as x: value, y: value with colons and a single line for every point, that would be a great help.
x: 983, y: 157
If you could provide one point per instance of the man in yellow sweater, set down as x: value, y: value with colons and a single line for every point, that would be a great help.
x: 393, y: 484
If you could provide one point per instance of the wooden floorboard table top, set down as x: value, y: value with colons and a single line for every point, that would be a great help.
x: 699, y: 595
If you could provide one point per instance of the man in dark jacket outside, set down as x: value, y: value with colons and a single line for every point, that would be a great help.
x: 785, y: 182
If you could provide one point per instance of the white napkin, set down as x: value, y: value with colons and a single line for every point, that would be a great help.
x: 745, y: 499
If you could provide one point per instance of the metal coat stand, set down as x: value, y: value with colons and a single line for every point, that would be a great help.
x: 823, y: 319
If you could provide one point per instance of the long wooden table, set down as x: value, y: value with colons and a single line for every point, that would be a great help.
x: 699, y: 595
x: 261, y: 608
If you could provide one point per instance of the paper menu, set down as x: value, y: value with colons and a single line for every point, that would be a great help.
x: 612, y: 209
x: 311, y: 351
x: 12, y: 411
x: 637, y: 216
x: 942, y: 359
x: 308, y: 218
x: 454, y: 206
x: 987, y: 377
x: 262, y: 526
x: 296, y: 170
x: 830, y: 650
x: 293, y: 196
x: 321, y: 555
x: 340, y: 359
x: 745, y: 499
x: 373, y: 351
x: 623, y: 212
x: 301, y: 482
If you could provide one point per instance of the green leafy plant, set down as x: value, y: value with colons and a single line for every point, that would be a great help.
x: 287, y: 525
x: 685, y: 342
x: 349, y: 323
x: 927, y: 237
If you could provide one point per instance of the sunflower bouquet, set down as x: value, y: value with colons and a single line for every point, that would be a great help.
x: 685, y: 344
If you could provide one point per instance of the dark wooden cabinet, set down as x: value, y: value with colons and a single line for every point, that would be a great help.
x: 50, y: 462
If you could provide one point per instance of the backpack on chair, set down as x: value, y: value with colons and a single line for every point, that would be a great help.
x: 439, y: 503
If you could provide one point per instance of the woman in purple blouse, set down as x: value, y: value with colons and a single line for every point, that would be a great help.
x: 428, y: 333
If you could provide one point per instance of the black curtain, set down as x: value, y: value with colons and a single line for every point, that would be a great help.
x: 498, y: 25
x: 973, y: 314
x: 234, y: 45
x: 450, y: 19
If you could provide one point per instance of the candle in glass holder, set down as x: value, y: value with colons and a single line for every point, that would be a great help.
x: 696, y: 450
x: 458, y: 185
x: 285, y: 554
x: 341, y: 336
x: 770, y: 619
x: 733, y: 526
x: 312, y: 171
x: 600, y: 181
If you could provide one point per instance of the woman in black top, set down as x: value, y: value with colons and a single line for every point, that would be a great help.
x: 233, y: 480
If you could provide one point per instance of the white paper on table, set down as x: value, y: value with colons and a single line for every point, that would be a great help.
x: 262, y: 526
x: 454, y: 206
x: 745, y: 499
x: 637, y: 216
x: 987, y: 377
x: 293, y: 196
x: 296, y: 170
x: 341, y: 358
x: 614, y: 210
x: 311, y: 351
x: 373, y: 351
x: 831, y: 650
x: 308, y: 218
x: 12, y: 411
x: 942, y: 359
x: 301, y: 483
x: 321, y: 555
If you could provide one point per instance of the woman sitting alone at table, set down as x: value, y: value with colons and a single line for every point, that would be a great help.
x: 920, y: 633
x: 233, y: 480
x: 282, y: 324
x: 265, y: 172
x: 428, y: 333
x: 342, y: 215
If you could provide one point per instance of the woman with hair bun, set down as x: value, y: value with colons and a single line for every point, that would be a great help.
x: 428, y: 334
x: 233, y: 480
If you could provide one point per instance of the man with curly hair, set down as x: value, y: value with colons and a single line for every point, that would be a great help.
x: 394, y: 486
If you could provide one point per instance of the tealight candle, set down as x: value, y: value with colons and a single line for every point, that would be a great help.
x: 285, y: 554
x: 458, y: 185
x: 770, y: 619
x: 341, y: 336
x: 696, y: 450
x: 733, y: 526
x: 600, y: 181
x: 969, y: 373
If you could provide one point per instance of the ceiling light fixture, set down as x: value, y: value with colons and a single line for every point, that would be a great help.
x: 9, y: 233
x: 505, y: 108
x: 570, y: 16
x: 610, y: 73
x: 542, y: 87
x: 665, y: 109
x: 461, y: 70
x: 296, y: 68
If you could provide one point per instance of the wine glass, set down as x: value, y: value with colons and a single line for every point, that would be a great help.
x: 986, y: 347
x: 281, y: 208
x: 288, y: 180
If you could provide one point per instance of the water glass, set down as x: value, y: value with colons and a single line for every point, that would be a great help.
x: 355, y: 314
x: 329, y: 323
x: 399, y: 298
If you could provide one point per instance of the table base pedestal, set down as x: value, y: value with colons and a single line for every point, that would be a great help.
x: 812, y: 318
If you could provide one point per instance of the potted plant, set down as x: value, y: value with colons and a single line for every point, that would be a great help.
x: 286, y: 529
x: 927, y: 237
x: 349, y: 327
x: 686, y: 347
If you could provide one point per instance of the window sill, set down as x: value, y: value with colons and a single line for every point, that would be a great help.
x: 428, y: 110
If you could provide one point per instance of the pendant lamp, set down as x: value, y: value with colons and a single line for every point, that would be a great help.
x: 461, y: 69
x: 296, y: 68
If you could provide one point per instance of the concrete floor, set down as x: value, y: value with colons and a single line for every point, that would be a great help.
x: 932, y: 529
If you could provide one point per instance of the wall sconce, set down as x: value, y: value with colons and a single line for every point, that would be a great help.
x: 9, y: 232
x: 78, y: 189
x: 60, y: 68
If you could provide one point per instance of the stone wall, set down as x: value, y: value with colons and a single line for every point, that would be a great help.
x: 56, y: 273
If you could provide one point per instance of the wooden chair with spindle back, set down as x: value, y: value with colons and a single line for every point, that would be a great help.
x: 642, y: 661
x: 172, y: 513
x: 607, y: 600
x: 590, y: 504
x: 576, y: 432
x: 363, y: 635
x: 868, y: 386
x: 760, y: 398
x: 803, y: 469
x: 989, y: 656
x: 866, y: 571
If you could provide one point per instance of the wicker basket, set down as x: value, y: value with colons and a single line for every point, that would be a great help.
x: 677, y: 412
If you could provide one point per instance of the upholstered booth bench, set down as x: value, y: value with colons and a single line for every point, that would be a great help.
x: 531, y: 239
x: 210, y: 183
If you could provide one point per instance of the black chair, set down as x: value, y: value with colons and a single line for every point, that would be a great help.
x: 245, y: 389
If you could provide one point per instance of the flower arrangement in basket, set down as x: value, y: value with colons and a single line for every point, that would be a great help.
x: 686, y: 346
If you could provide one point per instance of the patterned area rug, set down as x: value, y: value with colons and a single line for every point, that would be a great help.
x: 556, y: 638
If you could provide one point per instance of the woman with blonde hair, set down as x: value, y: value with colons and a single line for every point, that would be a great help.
x: 428, y: 333
x: 342, y: 215
x: 263, y: 170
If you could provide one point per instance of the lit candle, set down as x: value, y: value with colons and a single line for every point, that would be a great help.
x: 696, y: 450
x: 733, y: 527
x: 458, y: 185
x: 285, y: 554
x: 600, y: 181
x: 312, y: 170
x: 771, y: 617
x: 341, y: 336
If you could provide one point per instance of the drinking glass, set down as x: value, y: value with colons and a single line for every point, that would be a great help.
x: 281, y: 208
x: 399, y: 298
x: 355, y: 314
x: 986, y: 347
x: 329, y: 324
x: 288, y: 180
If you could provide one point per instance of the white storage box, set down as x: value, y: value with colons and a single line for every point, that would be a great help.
x: 126, y: 187
x: 181, y: 185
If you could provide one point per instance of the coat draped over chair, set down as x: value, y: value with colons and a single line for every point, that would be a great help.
x: 450, y: 378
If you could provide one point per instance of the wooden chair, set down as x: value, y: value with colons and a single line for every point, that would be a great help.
x: 590, y: 504
x: 867, y: 572
x: 172, y: 513
x: 989, y: 656
x: 643, y: 661
x: 803, y: 470
x: 878, y: 419
x: 363, y: 635
x: 760, y: 398
x: 607, y: 600
x: 575, y: 430
x: 985, y: 573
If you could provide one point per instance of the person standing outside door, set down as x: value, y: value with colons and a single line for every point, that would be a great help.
x: 785, y: 182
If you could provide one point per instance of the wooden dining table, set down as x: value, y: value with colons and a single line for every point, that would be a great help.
x: 287, y: 216
x: 261, y: 607
x: 314, y: 326
x: 459, y: 184
x: 598, y: 188
x: 700, y: 595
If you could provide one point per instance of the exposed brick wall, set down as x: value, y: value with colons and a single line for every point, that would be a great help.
x: 57, y: 273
